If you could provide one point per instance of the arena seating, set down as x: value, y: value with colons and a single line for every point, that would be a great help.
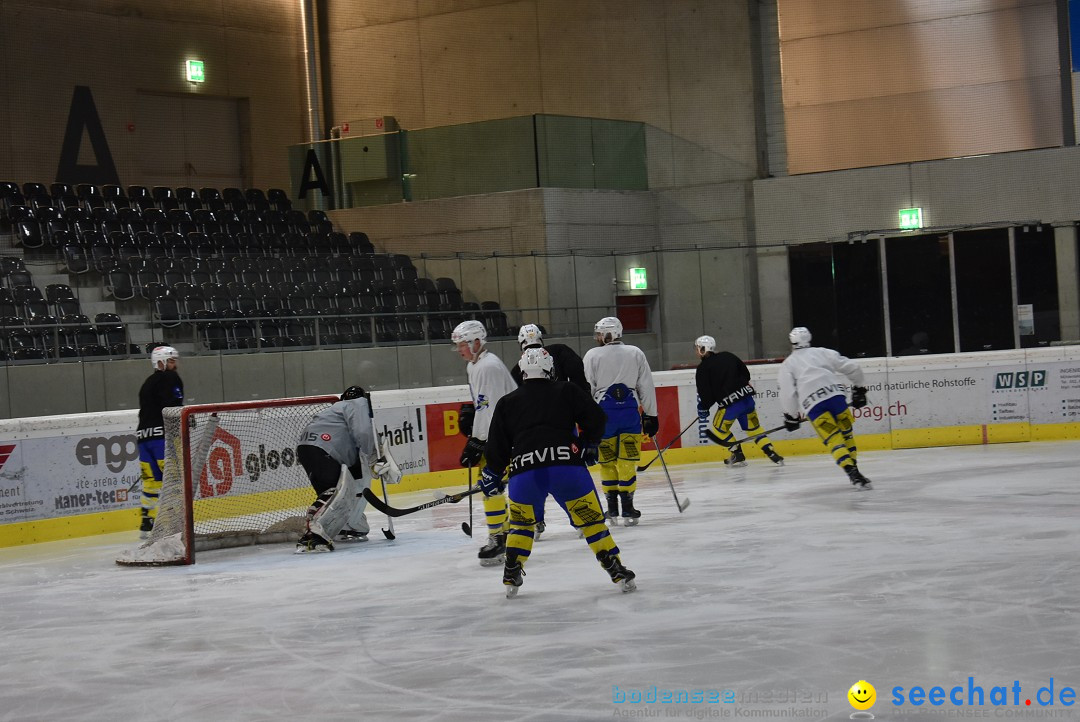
x: 242, y: 266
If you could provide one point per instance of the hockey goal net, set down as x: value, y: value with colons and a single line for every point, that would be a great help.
x: 230, y: 478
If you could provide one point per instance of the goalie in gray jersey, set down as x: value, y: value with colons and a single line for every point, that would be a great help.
x: 335, y: 449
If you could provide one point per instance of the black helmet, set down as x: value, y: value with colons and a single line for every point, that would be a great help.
x: 353, y: 392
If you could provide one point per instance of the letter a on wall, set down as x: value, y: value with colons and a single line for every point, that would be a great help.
x: 311, y: 166
x: 84, y: 115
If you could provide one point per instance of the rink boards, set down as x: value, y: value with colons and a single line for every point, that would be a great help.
x: 69, y: 476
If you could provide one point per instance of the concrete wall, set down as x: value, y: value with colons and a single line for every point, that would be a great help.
x: 251, y: 48
x: 869, y: 84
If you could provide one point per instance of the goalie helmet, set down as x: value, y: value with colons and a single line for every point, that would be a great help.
x: 162, y: 354
x: 536, y: 363
x: 799, y: 337
x: 608, y: 329
x: 705, y: 344
x: 353, y: 392
x: 469, y: 331
x: 530, y: 335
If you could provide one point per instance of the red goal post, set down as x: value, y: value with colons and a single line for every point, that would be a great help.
x: 230, y: 478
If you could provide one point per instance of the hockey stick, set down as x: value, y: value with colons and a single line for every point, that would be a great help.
x: 658, y: 449
x: 385, y: 508
x: 681, y: 504
x: 466, y: 526
x: 388, y: 533
x: 755, y: 437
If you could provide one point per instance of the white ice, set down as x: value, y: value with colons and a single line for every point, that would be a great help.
x: 961, y: 562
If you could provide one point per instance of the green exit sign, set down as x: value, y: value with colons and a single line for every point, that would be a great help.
x: 638, y: 279
x: 910, y: 218
x: 196, y: 73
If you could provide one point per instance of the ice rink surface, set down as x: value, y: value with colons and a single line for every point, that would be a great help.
x: 779, y: 587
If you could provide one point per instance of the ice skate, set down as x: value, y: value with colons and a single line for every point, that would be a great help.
x: 313, y: 543
x: 538, y: 530
x: 770, y: 452
x: 612, y: 514
x: 630, y: 515
x: 860, y: 482
x: 512, y: 575
x: 618, y: 573
x: 737, y: 458
x: 352, y: 535
x: 493, y: 553
x: 145, y: 527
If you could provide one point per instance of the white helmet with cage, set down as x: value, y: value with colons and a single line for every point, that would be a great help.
x: 162, y: 354
x: 530, y: 335
x: 799, y: 337
x: 705, y: 344
x: 608, y: 330
x: 536, y: 363
x: 469, y: 331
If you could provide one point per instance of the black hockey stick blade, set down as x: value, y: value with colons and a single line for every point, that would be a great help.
x: 755, y: 437
x: 466, y: 528
x: 389, y: 534
x: 385, y: 508
x: 685, y: 429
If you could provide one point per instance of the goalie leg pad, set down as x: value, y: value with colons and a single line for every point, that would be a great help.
x: 331, y: 517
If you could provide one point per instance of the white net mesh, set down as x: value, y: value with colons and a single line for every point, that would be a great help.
x: 246, y: 485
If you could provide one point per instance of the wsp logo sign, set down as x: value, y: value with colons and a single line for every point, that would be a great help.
x: 1019, y: 379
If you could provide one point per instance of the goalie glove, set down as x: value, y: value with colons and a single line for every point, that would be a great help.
x: 491, y: 483
x: 791, y: 423
x: 858, y: 397
x: 466, y: 414
x: 385, y: 467
x: 473, y: 452
x: 649, y: 425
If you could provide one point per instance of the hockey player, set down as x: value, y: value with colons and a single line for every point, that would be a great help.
x: 334, y: 450
x: 621, y: 380
x: 723, y: 379
x: 812, y: 384
x: 533, y: 434
x: 161, y: 389
x: 568, y: 366
x: 489, y: 381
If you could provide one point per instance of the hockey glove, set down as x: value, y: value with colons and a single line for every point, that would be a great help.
x: 703, y: 415
x: 386, y: 470
x: 491, y: 483
x: 465, y: 418
x: 590, y: 454
x: 649, y: 425
x: 791, y: 423
x: 858, y: 397
x: 473, y: 452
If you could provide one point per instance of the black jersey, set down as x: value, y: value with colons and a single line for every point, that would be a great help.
x: 722, y: 378
x: 161, y: 389
x: 567, y: 366
x: 534, y: 426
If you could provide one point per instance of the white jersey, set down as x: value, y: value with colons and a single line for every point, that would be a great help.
x: 810, y: 375
x: 489, y: 381
x: 617, y: 363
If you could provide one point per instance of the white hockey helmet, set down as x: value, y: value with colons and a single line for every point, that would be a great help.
x: 162, y: 353
x: 536, y: 363
x: 704, y: 344
x: 469, y: 331
x: 608, y: 329
x: 530, y: 335
x: 799, y: 337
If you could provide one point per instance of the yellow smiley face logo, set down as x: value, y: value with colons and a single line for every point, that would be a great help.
x: 862, y: 695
